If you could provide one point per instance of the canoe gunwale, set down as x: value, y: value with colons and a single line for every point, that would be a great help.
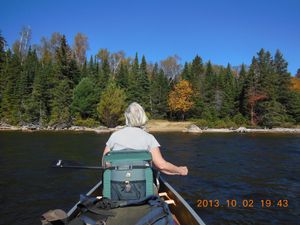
x: 185, y: 204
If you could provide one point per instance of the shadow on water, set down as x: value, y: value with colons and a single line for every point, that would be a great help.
x: 221, y: 167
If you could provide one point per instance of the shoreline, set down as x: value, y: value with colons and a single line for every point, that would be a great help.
x: 155, y: 126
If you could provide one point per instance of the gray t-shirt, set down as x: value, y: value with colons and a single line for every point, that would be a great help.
x: 133, y: 138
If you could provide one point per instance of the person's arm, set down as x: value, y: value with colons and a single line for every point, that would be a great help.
x: 106, y: 150
x: 165, y: 166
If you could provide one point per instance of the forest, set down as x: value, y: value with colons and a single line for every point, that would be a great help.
x: 53, y: 84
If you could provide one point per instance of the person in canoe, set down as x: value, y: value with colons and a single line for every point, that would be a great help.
x: 133, y: 136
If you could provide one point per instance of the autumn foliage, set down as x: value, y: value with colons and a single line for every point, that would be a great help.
x: 180, y: 99
x: 296, y: 84
x: 252, y: 101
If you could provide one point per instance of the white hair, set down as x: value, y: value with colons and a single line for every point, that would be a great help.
x: 135, y: 115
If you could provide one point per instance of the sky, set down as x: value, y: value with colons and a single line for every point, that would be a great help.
x: 230, y: 31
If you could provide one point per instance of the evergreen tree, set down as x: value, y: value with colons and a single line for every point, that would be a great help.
x: 186, y: 74
x: 11, y: 98
x: 159, y: 93
x: 2, y: 64
x: 210, y: 93
x: 25, y: 84
x: 122, y: 76
x: 105, y: 73
x: 229, y: 94
x: 85, y: 99
x: 62, y: 98
x: 133, y: 89
x: 2, y: 50
x: 39, y: 105
x: 293, y: 106
x: 197, y: 73
x: 283, y: 76
x: 242, y: 107
x: 63, y: 83
x: 144, y: 85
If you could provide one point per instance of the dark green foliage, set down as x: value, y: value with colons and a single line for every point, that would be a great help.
x: 139, y: 84
x: 211, y: 93
x: 122, y: 76
x: 144, y: 85
x: 228, y: 94
x: 293, y: 106
x: 25, y: 85
x: 283, y: 78
x: 159, y: 91
x: 85, y: 99
x: 186, y: 73
x: 272, y: 113
x: 105, y: 73
x: 39, y: 106
x: 10, y: 101
x: 62, y: 98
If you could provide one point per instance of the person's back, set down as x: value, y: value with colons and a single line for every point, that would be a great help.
x: 133, y: 137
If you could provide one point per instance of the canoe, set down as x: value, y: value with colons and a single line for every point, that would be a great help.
x: 182, y: 212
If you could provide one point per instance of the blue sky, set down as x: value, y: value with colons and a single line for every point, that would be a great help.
x: 220, y: 31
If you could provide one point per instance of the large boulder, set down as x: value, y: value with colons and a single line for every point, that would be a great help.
x: 193, y: 129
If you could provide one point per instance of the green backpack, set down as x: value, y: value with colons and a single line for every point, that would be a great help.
x: 128, y: 175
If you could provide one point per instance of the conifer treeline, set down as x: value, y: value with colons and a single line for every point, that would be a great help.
x: 53, y: 84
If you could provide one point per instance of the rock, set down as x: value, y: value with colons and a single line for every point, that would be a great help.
x: 193, y: 129
x: 241, y: 130
x: 61, y: 126
x: 102, y: 128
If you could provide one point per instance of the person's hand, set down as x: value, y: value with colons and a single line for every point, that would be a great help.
x: 183, y: 170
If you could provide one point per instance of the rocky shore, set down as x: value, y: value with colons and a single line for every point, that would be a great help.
x: 152, y: 126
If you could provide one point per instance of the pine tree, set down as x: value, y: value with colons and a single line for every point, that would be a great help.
x: 2, y: 65
x: 133, y: 89
x: 39, y: 105
x: 197, y: 73
x: 210, y: 91
x: 25, y: 84
x: 63, y: 83
x: 228, y: 94
x: 283, y: 76
x: 242, y: 107
x: 105, y: 73
x: 186, y: 73
x: 122, y: 76
x: 144, y: 85
x: 11, y: 98
x: 85, y: 99
x: 159, y: 93
x: 62, y: 98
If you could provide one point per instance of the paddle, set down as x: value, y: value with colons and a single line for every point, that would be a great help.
x: 74, y: 165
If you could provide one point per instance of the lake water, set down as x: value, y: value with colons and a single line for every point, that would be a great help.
x: 235, y: 167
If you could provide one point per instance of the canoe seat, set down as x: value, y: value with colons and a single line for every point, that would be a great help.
x: 129, y: 175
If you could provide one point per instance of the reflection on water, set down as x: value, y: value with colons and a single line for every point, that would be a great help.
x: 221, y: 167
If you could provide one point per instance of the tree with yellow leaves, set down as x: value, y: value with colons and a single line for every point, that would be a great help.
x: 295, y: 84
x: 180, y: 99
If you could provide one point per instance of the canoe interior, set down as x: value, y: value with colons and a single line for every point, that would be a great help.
x: 183, y: 214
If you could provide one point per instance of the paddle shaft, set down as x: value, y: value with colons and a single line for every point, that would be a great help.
x: 81, y: 167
